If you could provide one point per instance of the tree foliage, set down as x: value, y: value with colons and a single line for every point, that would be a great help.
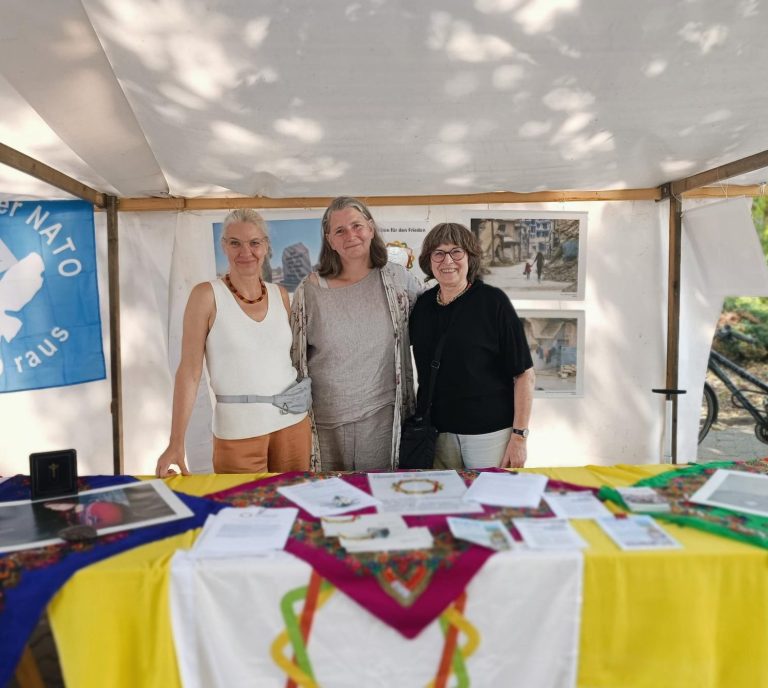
x: 749, y: 314
x: 760, y: 218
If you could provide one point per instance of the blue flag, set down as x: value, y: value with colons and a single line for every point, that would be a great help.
x: 50, y: 326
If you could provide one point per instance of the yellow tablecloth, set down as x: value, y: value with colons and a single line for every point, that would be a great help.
x: 696, y: 617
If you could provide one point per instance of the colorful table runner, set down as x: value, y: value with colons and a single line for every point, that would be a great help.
x: 30, y: 578
x: 407, y: 590
x: 677, y: 486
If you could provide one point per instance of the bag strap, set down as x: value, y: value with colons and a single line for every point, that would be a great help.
x: 435, y: 364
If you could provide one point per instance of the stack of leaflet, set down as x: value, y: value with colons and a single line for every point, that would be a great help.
x: 376, y: 533
x: 251, y: 531
x: 637, y: 533
x: 328, y: 497
x: 333, y: 501
x: 643, y: 499
x: 491, y: 534
x: 523, y: 490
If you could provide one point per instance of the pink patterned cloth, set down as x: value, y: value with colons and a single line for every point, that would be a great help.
x: 406, y: 589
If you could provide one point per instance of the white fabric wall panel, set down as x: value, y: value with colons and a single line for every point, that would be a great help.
x: 146, y: 246
x: 721, y: 256
x: 63, y: 417
x: 618, y: 419
x: 193, y: 262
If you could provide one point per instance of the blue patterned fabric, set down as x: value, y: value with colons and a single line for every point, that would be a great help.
x: 30, y: 578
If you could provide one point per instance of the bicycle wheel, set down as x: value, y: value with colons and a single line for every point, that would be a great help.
x: 709, y: 409
x: 761, y: 432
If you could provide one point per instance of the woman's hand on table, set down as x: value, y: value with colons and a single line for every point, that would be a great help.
x: 170, y: 457
x: 516, y: 453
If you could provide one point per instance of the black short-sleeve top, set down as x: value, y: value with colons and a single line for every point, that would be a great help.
x: 485, y: 349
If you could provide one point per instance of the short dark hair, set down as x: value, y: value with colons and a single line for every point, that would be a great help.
x: 450, y: 233
x: 329, y: 263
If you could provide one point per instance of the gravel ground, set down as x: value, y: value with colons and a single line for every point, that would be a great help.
x: 732, y: 436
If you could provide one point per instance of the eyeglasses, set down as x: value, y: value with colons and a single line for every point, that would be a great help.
x: 235, y: 244
x: 456, y: 255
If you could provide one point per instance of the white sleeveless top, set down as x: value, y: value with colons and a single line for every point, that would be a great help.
x: 248, y: 357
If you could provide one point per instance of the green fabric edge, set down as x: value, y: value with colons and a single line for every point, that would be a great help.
x: 608, y: 493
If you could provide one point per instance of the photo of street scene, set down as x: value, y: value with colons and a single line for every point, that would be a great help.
x: 294, y: 249
x: 555, y: 339
x: 533, y: 257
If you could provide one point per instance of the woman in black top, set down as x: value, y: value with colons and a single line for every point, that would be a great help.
x: 484, y: 387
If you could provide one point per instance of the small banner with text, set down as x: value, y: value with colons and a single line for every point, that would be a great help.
x: 50, y: 326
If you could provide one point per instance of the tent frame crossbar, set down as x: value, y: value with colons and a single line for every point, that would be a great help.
x: 688, y: 187
x: 266, y: 203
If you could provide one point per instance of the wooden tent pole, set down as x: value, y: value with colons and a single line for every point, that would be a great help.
x: 115, y: 363
x: 673, y: 313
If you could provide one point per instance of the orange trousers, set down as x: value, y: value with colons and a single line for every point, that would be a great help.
x: 283, y: 450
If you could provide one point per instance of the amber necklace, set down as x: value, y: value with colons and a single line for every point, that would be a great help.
x: 228, y: 282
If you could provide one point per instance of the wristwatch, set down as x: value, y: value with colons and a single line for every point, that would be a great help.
x: 523, y: 432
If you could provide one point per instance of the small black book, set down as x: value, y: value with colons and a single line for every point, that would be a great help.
x: 53, y: 474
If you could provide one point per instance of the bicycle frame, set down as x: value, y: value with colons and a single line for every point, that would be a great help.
x: 715, y: 361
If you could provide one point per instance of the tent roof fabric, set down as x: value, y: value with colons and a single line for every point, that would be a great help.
x: 378, y: 97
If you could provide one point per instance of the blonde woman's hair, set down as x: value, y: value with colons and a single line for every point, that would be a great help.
x: 248, y: 215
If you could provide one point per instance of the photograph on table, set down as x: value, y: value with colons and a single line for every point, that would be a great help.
x: 556, y: 340
x: 26, y: 524
x: 294, y: 249
x: 403, y: 239
x: 532, y: 255
x: 735, y: 490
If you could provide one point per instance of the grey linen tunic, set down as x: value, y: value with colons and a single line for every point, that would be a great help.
x: 401, y: 289
x: 350, y: 351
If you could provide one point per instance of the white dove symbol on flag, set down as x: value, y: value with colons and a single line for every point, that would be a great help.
x: 20, y: 280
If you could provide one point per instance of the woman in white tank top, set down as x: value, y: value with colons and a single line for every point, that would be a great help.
x: 239, y: 324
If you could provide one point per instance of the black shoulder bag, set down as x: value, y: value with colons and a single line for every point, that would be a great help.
x: 418, y: 436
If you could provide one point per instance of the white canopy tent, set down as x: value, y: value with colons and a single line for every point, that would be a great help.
x: 189, y: 98
x: 154, y: 101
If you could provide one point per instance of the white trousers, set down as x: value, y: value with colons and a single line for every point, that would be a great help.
x: 454, y: 451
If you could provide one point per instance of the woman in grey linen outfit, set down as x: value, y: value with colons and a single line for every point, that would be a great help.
x: 350, y: 335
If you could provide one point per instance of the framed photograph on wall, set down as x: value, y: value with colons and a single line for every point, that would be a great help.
x: 294, y: 249
x: 556, y: 340
x: 532, y: 255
